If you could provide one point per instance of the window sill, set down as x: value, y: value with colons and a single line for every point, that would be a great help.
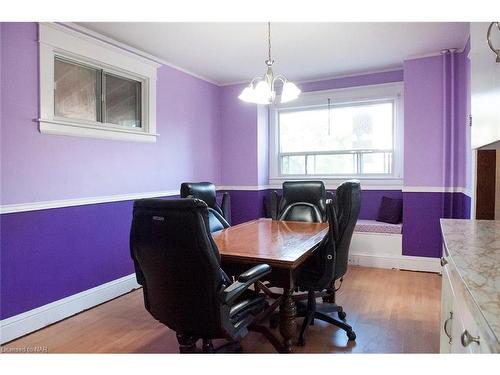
x: 367, y: 183
x: 58, y: 127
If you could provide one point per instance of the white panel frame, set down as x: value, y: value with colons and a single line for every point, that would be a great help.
x: 56, y: 40
x: 385, y: 250
x: 393, y: 91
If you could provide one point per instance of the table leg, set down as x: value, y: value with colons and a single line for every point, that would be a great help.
x: 288, y: 311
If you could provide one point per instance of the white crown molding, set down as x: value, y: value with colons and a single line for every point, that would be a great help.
x: 130, y: 49
x: 32, y: 320
x: 45, y: 205
x: 436, y: 189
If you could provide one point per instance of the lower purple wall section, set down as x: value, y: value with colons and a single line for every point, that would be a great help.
x: 421, y: 214
x: 370, y: 202
x: 51, y: 254
x: 248, y: 205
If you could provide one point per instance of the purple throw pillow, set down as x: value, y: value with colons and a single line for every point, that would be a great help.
x: 390, y: 210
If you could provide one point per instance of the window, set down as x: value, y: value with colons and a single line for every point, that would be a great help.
x: 86, y: 93
x: 338, y: 134
x: 91, y: 88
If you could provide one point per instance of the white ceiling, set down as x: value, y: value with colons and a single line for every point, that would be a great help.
x: 235, y: 52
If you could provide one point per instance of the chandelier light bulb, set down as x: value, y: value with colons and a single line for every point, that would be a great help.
x: 290, y: 92
x: 263, y: 93
x: 247, y: 95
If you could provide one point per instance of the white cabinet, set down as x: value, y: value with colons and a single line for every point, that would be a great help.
x: 446, y: 315
x: 485, y: 86
x: 460, y: 320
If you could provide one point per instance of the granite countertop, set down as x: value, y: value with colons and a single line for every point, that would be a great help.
x: 474, y: 246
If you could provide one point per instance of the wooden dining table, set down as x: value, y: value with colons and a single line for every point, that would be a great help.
x: 284, y: 245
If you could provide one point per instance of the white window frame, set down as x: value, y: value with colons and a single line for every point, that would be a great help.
x: 382, y: 92
x: 59, y: 41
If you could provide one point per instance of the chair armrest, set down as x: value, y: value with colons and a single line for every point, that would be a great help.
x: 226, y: 206
x: 219, y: 217
x: 233, y: 291
x: 254, y: 273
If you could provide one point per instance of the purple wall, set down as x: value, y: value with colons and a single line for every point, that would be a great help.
x: 436, y: 133
x: 239, y: 134
x: 247, y: 205
x: 437, y: 148
x: 421, y: 214
x: 423, y: 131
x: 61, y: 167
x: 263, y: 146
x: 50, y: 254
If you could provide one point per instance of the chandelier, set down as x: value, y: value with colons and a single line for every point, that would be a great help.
x: 262, y: 90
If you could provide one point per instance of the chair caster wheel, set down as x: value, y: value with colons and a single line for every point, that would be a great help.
x: 351, y: 335
x: 274, y: 322
x: 342, y: 315
x: 301, y: 341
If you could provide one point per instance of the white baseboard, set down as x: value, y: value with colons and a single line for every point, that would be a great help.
x: 402, y: 262
x: 42, y: 316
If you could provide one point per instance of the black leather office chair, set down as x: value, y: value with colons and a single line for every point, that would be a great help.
x: 219, y: 216
x: 329, y: 262
x: 301, y: 201
x: 178, y: 264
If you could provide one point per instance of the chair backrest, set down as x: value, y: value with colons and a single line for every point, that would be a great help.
x: 347, y: 204
x: 206, y: 192
x: 178, y: 264
x: 303, y: 201
x: 201, y: 190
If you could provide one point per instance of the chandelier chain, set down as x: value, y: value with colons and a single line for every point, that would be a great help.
x: 269, y: 41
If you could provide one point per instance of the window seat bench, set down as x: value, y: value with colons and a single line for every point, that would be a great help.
x: 373, y: 226
x: 376, y: 244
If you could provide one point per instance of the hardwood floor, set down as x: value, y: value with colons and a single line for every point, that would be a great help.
x: 391, y: 311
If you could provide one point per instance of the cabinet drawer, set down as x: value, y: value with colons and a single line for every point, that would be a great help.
x: 469, y: 332
x: 446, y: 313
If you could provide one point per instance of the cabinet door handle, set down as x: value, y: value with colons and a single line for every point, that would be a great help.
x: 443, y: 262
x: 445, y: 327
x: 467, y: 338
